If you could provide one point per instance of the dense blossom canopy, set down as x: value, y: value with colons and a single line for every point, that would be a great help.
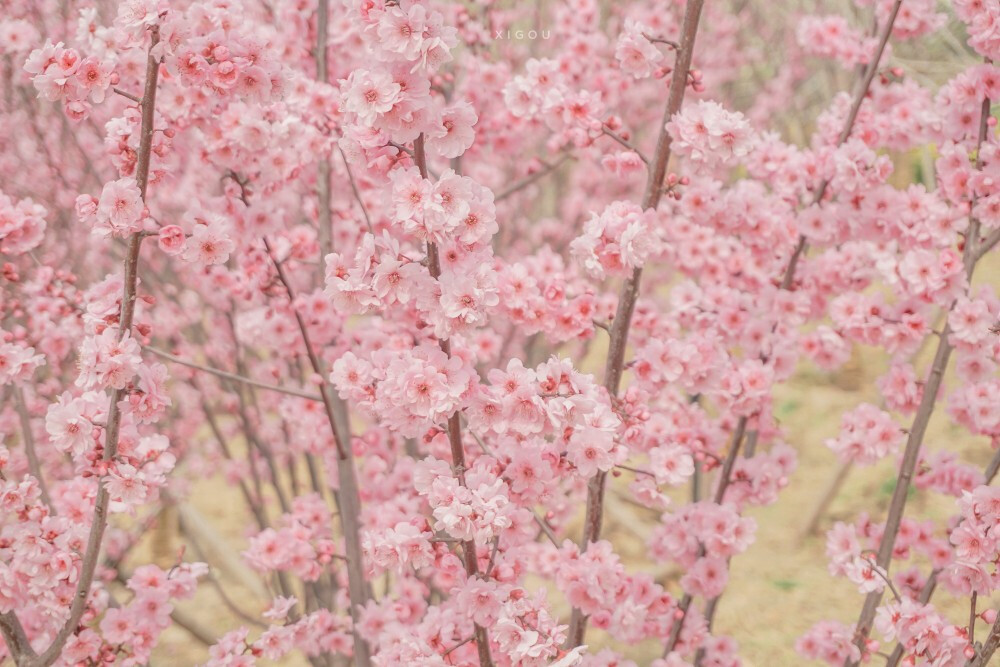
x: 427, y: 280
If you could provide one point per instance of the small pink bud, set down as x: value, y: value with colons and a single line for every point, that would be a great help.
x: 969, y: 652
x: 990, y: 616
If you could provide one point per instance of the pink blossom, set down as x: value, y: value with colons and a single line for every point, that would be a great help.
x: 207, y: 245
x: 455, y: 134
x: 706, y: 133
x: 369, y: 94
x: 171, y: 239
x: 120, y: 210
x: 107, y: 361
x: 18, y: 362
x: 636, y: 54
x: 867, y: 435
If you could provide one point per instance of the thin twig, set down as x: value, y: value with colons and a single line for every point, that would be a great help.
x: 231, y: 376
x: 624, y: 142
x: 528, y: 180
x: 629, y: 293
x: 137, y: 100
x: 29, y: 446
x: 357, y: 194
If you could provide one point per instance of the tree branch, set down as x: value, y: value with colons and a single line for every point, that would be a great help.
x: 29, y: 446
x: 454, y: 426
x: 614, y: 366
x: 131, y: 265
x: 231, y: 376
x: 918, y: 429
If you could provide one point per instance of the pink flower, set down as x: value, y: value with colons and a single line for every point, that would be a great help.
x: 22, y: 225
x: 971, y: 320
x: 671, y: 464
x: 107, y: 362
x: 171, y: 239
x: 454, y: 134
x: 137, y: 15
x: 637, y: 56
x: 482, y: 601
x: 867, y: 435
x: 18, y: 362
x: 368, y: 94
x: 254, y: 84
x: 618, y: 240
x: 118, y: 625
x: 864, y: 572
x: 207, y: 245
x: 830, y: 642
x: 705, y: 132
x: 280, y: 608
x: 120, y: 209
x: 68, y: 426
x: 94, y: 77
x: 707, y: 578
x: 124, y: 485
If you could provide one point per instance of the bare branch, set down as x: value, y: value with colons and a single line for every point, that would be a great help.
x: 231, y: 376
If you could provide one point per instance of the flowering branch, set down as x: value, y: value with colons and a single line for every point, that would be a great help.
x: 725, y: 477
x: 348, y: 498
x: 629, y: 293
x: 25, y: 657
x: 859, y: 97
x: 918, y: 428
